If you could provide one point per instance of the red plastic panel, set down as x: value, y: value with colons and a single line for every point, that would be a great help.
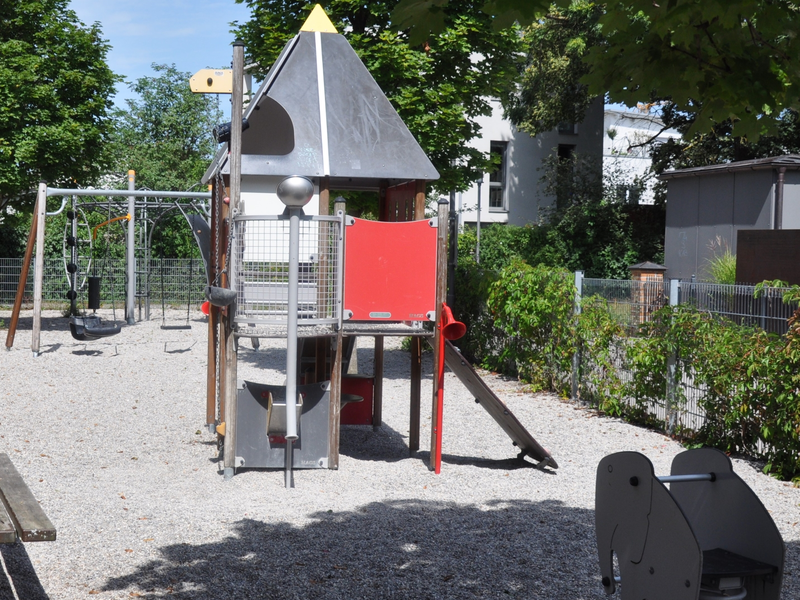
x: 390, y: 270
x: 357, y: 413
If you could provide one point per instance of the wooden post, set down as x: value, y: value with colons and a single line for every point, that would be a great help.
x: 38, y: 273
x: 416, y: 393
x: 229, y: 340
x: 416, y: 344
x: 377, y: 396
x: 334, y: 420
x: 213, y: 312
x: 419, y: 200
x: 325, y: 196
x: 321, y: 344
x: 23, y: 278
x: 441, y: 292
x: 383, y: 207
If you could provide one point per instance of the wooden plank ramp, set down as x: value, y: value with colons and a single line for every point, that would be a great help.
x: 498, y: 410
x: 26, y: 515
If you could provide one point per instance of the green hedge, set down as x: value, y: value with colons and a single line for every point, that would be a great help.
x: 522, y: 322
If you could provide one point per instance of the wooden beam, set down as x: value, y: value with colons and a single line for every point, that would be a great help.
x: 419, y: 200
x: 28, y: 517
x: 334, y: 413
x: 325, y: 195
x: 416, y: 392
x: 441, y: 292
x: 23, y: 279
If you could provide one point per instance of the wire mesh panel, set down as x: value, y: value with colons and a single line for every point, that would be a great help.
x: 740, y: 304
x: 260, y: 275
x: 631, y: 302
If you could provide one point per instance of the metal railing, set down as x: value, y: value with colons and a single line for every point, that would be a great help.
x: 633, y: 303
x: 177, y: 281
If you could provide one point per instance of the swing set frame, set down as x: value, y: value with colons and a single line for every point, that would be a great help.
x: 150, y: 200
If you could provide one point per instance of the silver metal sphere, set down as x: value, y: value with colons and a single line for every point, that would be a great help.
x: 295, y: 191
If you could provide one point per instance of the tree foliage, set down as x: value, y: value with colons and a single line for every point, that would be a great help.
x: 719, y: 144
x: 165, y: 133
x: 55, y: 90
x: 717, y: 60
x: 550, y: 90
x: 438, y: 86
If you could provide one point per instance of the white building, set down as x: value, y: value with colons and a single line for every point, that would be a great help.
x: 627, y: 136
x: 512, y: 193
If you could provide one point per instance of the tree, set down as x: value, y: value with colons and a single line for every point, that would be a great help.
x: 719, y: 145
x: 165, y: 134
x: 717, y: 60
x: 438, y: 86
x: 550, y: 90
x: 55, y: 96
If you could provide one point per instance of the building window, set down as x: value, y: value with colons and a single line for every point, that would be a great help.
x: 565, y: 152
x: 567, y: 128
x: 497, y: 178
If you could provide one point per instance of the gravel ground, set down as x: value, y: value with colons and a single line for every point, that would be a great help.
x: 109, y: 436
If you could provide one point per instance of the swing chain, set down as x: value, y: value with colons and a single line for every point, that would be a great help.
x: 219, y: 195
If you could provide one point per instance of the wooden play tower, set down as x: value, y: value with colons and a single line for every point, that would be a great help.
x: 320, y: 115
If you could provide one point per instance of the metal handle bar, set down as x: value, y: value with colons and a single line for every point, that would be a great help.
x: 692, y: 477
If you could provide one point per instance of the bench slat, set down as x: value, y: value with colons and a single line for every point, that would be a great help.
x: 25, y: 512
x: 8, y: 535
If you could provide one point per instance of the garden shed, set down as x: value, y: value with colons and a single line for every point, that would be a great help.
x: 708, y: 206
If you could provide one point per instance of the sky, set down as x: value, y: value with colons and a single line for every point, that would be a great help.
x: 192, y: 34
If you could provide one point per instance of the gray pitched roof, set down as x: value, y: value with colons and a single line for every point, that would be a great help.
x: 790, y: 161
x: 354, y: 135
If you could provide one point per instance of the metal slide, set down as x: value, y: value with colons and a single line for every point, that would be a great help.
x: 496, y: 408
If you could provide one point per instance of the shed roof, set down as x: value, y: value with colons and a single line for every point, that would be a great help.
x: 647, y: 266
x: 320, y: 113
x: 790, y: 161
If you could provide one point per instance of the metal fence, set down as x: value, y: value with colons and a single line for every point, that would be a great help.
x: 175, y: 281
x: 634, y: 302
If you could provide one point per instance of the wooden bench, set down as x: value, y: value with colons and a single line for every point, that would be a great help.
x: 20, y: 514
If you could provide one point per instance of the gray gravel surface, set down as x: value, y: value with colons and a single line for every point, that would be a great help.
x: 109, y: 436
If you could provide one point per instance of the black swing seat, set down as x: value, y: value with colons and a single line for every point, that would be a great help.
x: 175, y: 327
x: 89, y: 328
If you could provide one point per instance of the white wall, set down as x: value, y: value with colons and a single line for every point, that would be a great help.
x: 524, y: 198
x: 630, y: 128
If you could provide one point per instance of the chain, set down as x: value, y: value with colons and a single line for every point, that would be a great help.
x: 219, y: 195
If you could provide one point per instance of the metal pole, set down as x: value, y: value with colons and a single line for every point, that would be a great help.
x: 74, y: 255
x: 291, y: 341
x: 452, y: 252
x: 236, y: 122
x: 688, y: 477
x: 38, y: 272
x: 478, y: 224
x: 127, y: 193
x: 672, y: 361
x: 130, y: 319
x: 576, y: 357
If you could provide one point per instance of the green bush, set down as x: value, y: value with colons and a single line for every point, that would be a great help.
x: 534, y: 307
x: 521, y: 321
x: 750, y: 378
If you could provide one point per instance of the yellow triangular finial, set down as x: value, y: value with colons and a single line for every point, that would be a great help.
x: 318, y: 21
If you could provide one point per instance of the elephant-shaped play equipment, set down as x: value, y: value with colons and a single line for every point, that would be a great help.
x: 704, y: 536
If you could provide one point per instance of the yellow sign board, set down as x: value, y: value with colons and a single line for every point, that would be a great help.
x: 212, y: 81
